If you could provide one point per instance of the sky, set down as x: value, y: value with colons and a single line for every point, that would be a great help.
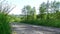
x: 21, y: 3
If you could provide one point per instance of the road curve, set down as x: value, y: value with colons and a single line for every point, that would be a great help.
x: 19, y: 28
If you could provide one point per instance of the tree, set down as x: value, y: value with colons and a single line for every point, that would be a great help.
x: 55, y: 8
x: 26, y: 11
x: 42, y: 10
x: 33, y: 13
x: 47, y: 9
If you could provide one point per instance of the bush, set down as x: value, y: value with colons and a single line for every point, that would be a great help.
x: 49, y: 22
x: 4, y: 24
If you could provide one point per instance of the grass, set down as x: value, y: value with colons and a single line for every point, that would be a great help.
x: 4, y: 24
x: 50, y: 22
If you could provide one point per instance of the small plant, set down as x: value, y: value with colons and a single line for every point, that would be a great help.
x: 4, y: 24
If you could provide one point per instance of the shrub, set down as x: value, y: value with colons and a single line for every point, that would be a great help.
x: 49, y: 22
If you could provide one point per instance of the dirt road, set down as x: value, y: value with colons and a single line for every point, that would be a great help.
x: 18, y: 28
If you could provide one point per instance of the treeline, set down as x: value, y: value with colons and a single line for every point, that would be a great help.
x: 49, y: 14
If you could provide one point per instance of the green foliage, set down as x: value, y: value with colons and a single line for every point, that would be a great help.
x: 29, y: 12
x: 4, y: 24
x: 50, y: 22
x: 49, y: 14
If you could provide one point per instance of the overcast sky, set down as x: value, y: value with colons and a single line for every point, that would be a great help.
x: 21, y: 3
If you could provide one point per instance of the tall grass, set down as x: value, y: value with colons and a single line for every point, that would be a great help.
x: 4, y: 24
